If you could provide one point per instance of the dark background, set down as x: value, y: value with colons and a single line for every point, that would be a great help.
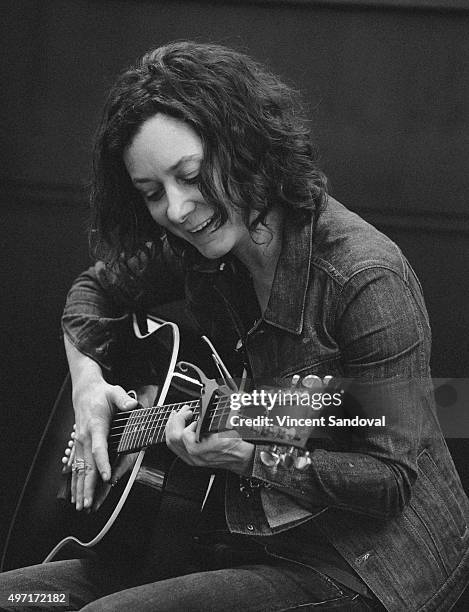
x: 388, y: 93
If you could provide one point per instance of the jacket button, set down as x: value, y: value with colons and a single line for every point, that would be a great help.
x: 250, y: 527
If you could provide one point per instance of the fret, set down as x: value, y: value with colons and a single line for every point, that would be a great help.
x: 146, y: 426
x: 136, y: 429
x: 153, y: 427
x: 139, y: 429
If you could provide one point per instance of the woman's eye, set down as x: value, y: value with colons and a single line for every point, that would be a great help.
x: 154, y: 196
x: 191, y: 180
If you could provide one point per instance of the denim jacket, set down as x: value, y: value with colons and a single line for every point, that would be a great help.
x: 344, y: 303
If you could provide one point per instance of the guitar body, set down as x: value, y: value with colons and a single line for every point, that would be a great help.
x: 44, y: 516
x: 46, y: 527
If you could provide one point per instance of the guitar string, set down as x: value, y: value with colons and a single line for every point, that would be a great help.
x: 160, y: 414
x: 165, y: 407
x: 116, y: 445
x: 145, y: 413
x: 156, y: 416
x: 132, y: 419
x: 146, y: 437
x: 135, y: 424
x: 158, y: 419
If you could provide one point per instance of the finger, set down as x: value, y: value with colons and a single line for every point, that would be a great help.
x: 99, y: 450
x: 190, y: 444
x: 78, y: 477
x: 175, y: 427
x: 85, y: 474
x: 178, y: 419
x: 86, y: 479
x: 80, y: 462
x: 189, y: 439
x: 89, y: 482
x: 71, y: 457
x: 122, y: 400
x: 80, y: 484
x: 189, y: 436
x: 186, y: 409
x: 73, y: 486
x: 78, y: 452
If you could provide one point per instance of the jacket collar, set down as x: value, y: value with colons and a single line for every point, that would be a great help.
x: 286, y: 305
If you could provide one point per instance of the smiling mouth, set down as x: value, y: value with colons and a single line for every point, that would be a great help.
x: 202, y: 226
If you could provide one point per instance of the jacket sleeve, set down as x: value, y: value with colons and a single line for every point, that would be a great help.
x: 101, y: 299
x: 382, y: 331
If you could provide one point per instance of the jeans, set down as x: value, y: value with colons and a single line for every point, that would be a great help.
x: 223, y: 582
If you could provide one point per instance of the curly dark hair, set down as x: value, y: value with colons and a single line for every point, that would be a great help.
x: 254, y: 135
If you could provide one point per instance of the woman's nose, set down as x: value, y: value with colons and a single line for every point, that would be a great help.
x: 180, y: 206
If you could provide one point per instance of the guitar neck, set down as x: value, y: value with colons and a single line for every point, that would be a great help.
x: 144, y: 427
x: 137, y: 429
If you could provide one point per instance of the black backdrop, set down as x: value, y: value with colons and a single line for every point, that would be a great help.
x: 388, y: 93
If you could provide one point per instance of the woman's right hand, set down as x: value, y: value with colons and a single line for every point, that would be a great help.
x: 95, y: 402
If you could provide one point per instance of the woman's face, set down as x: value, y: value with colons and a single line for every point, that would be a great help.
x: 163, y: 161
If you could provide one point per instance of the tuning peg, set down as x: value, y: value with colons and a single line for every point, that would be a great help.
x: 271, y: 457
x: 302, y: 460
x: 295, y: 380
x: 311, y: 381
x: 288, y: 458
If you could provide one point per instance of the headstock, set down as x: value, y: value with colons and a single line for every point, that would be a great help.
x: 286, y: 416
x: 296, y: 456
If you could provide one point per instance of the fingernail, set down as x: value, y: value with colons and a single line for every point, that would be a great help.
x: 72, y: 500
x: 129, y: 403
x: 86, y: 503
x: 105, y: 476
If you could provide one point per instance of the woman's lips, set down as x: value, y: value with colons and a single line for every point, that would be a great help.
x: 201, y: 226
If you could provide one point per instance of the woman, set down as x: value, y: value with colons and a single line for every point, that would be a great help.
x: 206, y: 187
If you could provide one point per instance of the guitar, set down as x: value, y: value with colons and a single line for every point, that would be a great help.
x: 145, y: 487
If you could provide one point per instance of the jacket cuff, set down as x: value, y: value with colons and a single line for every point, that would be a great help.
x: 97, y: 349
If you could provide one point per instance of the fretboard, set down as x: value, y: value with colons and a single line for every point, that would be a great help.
x: 140, y: 428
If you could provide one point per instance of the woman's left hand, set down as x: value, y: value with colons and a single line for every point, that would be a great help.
x: 226, y: 450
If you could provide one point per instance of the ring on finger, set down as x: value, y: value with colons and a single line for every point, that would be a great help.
x: 78, y: 465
